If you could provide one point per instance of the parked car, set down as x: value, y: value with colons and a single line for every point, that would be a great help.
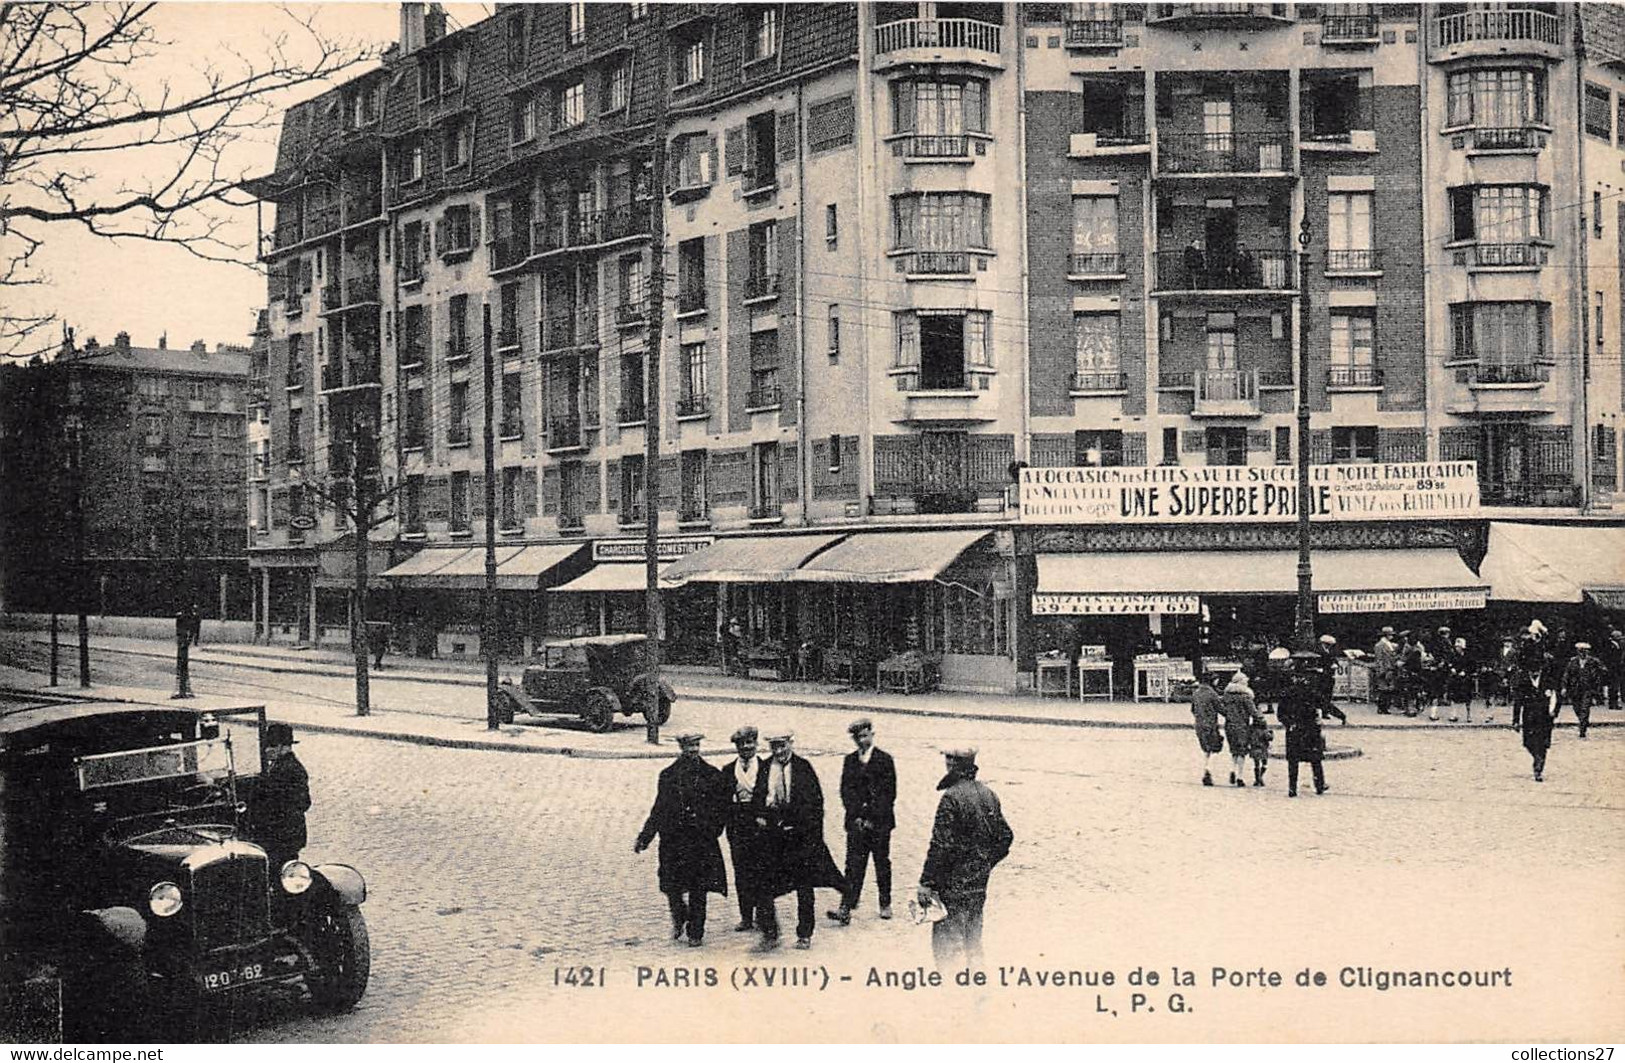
x: 132, y: 904
x: 597, y: 678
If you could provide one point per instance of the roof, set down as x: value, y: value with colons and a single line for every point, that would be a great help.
x: 890, y: 557
x: 27, y: 715
x: 1602, y: 31
x: 177, y: 360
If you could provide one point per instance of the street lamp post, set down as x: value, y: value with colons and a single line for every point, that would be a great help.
x: 1304, y: 628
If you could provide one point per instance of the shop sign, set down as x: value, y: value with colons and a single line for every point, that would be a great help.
x: 1047, y: 604
x: 1248, y: 494
x: 665, y: 549
x: 1400, y: 601
x: 1608, y: 597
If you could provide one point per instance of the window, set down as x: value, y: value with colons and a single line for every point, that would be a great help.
x: 1170, y: 446
x: 412, y: 251
x: 1599, y: 112
x: 1499, y: 333
x: 459, y: 229
x: 457, y: 412
x: 617, y: 86
x: 508, y: 515
x: 571, y: 482
x: 1597, y: 310
x: 939, y: 108
x: 631, y: 284
x: 1097, y: 450
x: 569, y: 106
x: 1498, y: 214
x: 632, y: 388
x: 1283, y: 445
x: 692, y: 155
x: 508, y: 315
x: 522, y: 126
x: 834, y: 332
x: 835, y: 453
x: 513, y: 413
x: 1221, y: 342
x: 764, y: 480
x: 1098, y: 367
x: 364, y: 105
x: 764, y: 35
x: 689, y: 63
x: 1217, y: 125
x: 1348, y: 233
x: 1094, y: 235
x: 456, y: 328
x: 589, y: 391
x: 638, y: 11
x: 939, y: 348
x: 695, y: 394
x: 1353, y: 350
x: 296, y: 359
x: 691, y: 275
x: 763, y: 278
x: 632, y: 489
x: 416, y: 425
x: 693, y: 500
x: 1354, y: 444
x: 515, y: 43
x: 832, y: 225
x: 459, y: 501
x: 764, y: 370
x: 1497, y: 99
x: 296, y: 435
x: 1227, y: 446
x: 576, y: 22
x: 459, y: 144
x: 761, y: 150
x: 940, y: 221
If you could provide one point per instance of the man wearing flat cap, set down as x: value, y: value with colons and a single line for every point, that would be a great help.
x: 281, y: 797
x: 790, y: 813
x: 1583, y: 678
x: 687, y: 816
x: 1385, y: 671
x: 868, y: 794
x: 968, y: 839
x: 744, y: 836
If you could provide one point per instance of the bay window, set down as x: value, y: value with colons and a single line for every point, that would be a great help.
x: 939, y: 349
x: 1504, y: 98
x: 939, y: 108
x: 940, y: 227
x: 1499, y: 334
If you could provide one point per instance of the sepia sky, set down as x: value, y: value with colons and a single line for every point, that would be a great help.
x: 101, y: 287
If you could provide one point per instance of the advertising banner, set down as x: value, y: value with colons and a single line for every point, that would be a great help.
x: 1174, y: 494
x: 1113, y: 604
x: 1400, y: 601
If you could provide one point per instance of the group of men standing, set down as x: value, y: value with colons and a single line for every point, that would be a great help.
x: 772, y: 812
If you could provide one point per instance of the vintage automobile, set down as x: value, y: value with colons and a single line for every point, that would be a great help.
x: 132, y: 902
x: 596, y: 678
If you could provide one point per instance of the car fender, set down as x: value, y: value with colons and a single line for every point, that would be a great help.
x: 343, y: 880
x: 123, y: 926
x: 637, y: 693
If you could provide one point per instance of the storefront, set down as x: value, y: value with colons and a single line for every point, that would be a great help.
x: 610, y: 598
x: 334, y: 586
x: 439, y: 596
x: 284, y: 594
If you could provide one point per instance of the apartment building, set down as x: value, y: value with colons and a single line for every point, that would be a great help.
x: 909, y: 248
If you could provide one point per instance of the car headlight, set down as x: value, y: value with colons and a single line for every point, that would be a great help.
x: 164, y: 899
x: 295, y: 876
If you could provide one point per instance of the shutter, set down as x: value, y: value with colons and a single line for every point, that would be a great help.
x: 903, y: 108
x: 896, y: 461
x: 437, y: 498
x: 440, y: 236
x: 550, y: 490
x: 590, y: 484
x: 711, y: 150
x: 473, y: 227
x: 527, y: 490
x: 671, y: 482
x: 789, y: 473
x: 612, y: 486
x: 1192, y: 440
x: 424, y: 236
x: 822, y: 478
x: 1551, y: 455
x: 476, y: 496
x: 734, y: 150
x: 787, y: 136
x: 1402, y: 444
x: 673, y: 163
x: 1258, y: 439
x: 1052, y: 450
x: 1320, y: 446
x: 1134, y: 449
x: 730, y: 480
x: 276, y: 286
x: 279, y: 508
x: 1458, y: 443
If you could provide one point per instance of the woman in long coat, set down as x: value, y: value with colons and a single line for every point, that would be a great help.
x: 1240, y: 712
x: 1300, y: 715
x: 1205, y: 711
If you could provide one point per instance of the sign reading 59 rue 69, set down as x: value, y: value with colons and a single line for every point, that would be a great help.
x: 1174, y: 494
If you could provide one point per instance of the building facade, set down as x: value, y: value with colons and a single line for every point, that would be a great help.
x: 157, y: 438
x: 908, y: 249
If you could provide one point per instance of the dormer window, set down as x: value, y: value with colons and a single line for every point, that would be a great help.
x: 689, y: 63
x: 763, y: 42
x: 577, y: 23
x: 459, y: 144
x: 569, y: 106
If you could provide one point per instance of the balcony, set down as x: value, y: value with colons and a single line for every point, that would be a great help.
x: 1502, y: 389
x: 631, y: 514
x: 760, y: 284
x: 458, y: 436
x: 457, y: 349
x: 411, y: 271
x: 1507, y: 138
x: 1192, y: 270
x: 1353, y: 378
x: 512, y: 426
x: 631, y: 412
x: 759, y: 182
x: 352, y: 373
x: 414, y: 439
x: 1347, y: 261
x: 770, y: 510
x: 938, y: 40
x: 763, y: 397
x: 355, y: 293
x: 572, y: 328
x: 363, y: 208
x: 1096, y: 264
x: 1347, y: 30
x: 632, y: 314
x: 509, y: 253
x: 691, y: 300
x: 1099, y: 383
x: 937, y: 146
x: 1524, y: 256
x: 595, y: 227
x: 1094, y: 33
x: 693, y: 405
x: 1226, y: 393
x: 506, y: 337
x: 1217, y: 16
x: 1512, y: 373
x: 1267, y: 152
x: 1495, y: 32
x: 564, y: 432
x: 937, y: 263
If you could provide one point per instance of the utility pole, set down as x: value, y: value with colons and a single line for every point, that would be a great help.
x: 651, y: 412
x: 362, y: 483
x: 1304, y: 629
x: 77, y: 515
x: 488, y: 601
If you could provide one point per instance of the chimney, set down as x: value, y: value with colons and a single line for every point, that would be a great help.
x: 411, y: 27
x: 91, y: 344
x: 122, y: 342
x: 434, y: 24
x: 163, y: 341
x: 199, y: 348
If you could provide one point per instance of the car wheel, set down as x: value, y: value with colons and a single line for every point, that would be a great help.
x: 663, y: 715
x: 343, y: 954
x: 600, y: 710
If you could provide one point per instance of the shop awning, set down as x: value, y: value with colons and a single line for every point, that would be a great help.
x: 767, y: 559
x: 424, y: 563
x: 895, y: 557
x: 611, y: 578
x: 463, y: 567
x: 1555, y: 563
x: 523, y: 570
x: 1344, y: 580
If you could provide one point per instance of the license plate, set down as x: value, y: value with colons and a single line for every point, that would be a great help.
x: 232, y: 977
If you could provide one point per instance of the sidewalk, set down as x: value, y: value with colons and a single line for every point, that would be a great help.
x: 701, y: 684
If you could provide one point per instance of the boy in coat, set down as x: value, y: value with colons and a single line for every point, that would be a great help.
x: 687, y: 817
x: 790, y: 812
x: 868, y: 794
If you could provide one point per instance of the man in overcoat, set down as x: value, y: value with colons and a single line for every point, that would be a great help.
x: 1582, y: 683
x: 790, y: 813
x: 687, y: 817
x: 281, y: 797
x: 968, y: 839
x: 869, y: 796
x: 1300, y: 715
x: 1385, y: 671
x: 1613, y: 659
x: 744, y: 842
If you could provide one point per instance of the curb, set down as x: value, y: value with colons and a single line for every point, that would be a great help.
x: 487, y: 744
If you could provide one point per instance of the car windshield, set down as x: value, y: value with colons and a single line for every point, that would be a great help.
x: 567, y: 657
x: 205, y: 761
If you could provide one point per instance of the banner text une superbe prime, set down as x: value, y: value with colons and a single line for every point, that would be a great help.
x: 1174, y: 494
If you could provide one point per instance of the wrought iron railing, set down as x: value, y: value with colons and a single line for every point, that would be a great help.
x: 693, y: 405
x: 966, y: 33
x: 1348, y: 27
x: 1094, y: 33
x: 1266, y: 151
x: 763, y: 397
x: 1512, y: 373
x: 1504, y: 138
x: 1525, y: 254
x: 631, y: 411
x: 759, y: 284
x: 1196, y: 270
x: 1347, y: 260
x: 563, y: 430
x: 937, y: 146
x: 1497, y: 25
x: 1097, y: 380
x: 1100, y: 263
x: 1353, y: 376
x: 939, y: 262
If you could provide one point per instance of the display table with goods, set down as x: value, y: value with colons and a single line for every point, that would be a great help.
x: 1046, y: 670
x: 768, y: 660
x: 909, y: 672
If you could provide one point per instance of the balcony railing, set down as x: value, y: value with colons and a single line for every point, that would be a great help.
x: 1096, y: 380
x: 1220, y: 12
x: 1509, y: 255
x: 361, y: 289
x: 1504, y: 138
x: 1367, y: 260
x: 760, y: 284
x: 761, y: 179
x: 632, y: 514
x: 456, y: 347
x: 938, y: 33
x: 693, y: 405
x: 548, y: 234
x: 693, y: 510
x: 1334, y: 28
x: 631, y: 412
x: 763, y: 397
x: 634, y: 312
x: 1353, y: 376
x: 1226, y: 390
x: 363, y: 207
x: 1504, y: 25
x: 1260, y: 152
x: 690, y: 300
x: 559, y: 331
x: 1512, y: 373
x: 563, y: 431
x: 1094, y: 263
x: 506, y: 336
x: 457, y: 435
x: 508, y: 253
x: 945, y: 263
x: 411, y: 270
x: 332, y: 378
x: 512, y: 426
x: 571, y: 522
x: 1094, y: 33
x: 332, y: 297
x: 937, y: 146
x: 414, y: 439
x: 1193, y: 270
x: 766, y: 510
